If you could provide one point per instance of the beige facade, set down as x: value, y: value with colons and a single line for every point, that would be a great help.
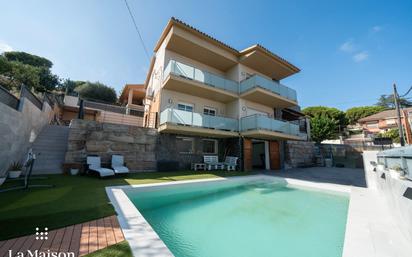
x: 199, y: 85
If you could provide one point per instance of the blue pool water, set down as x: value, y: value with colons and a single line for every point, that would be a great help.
x: 245, y: 220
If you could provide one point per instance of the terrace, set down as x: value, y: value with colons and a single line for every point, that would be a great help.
x: 80, y: 217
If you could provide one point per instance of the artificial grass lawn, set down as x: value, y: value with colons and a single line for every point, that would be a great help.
x: 121, y: 249
x: 74, y: 199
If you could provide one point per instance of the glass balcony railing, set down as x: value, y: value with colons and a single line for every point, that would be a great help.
x: 273, y: 86
x: 262, y: 122
x: 180, y: 117
x: 192, y: 73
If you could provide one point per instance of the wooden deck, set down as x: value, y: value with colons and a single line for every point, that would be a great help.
x: 80, y: 239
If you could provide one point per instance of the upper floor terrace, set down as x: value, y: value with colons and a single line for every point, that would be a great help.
x: 188, y: 79
x: 187, y: 41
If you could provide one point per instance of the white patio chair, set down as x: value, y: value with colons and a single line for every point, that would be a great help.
x: 94, y: 164
x: 231, y: 162
x: 212, y: 162
x: 118, y: 164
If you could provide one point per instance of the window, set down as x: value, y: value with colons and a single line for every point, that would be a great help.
x: 372, y: 125
x: 184, y: 144
x: 391, y: 121
x: 185, y: 107
x: 209, y: 146
x: 209, y: 111
x: 251, y: 111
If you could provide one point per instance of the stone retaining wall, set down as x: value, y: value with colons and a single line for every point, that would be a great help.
x: 136, y: 144
x: 299, y: 154
x: 142, y: 148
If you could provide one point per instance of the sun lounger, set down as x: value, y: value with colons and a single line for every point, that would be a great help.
x: 118, y: 164
x: 94, y: 164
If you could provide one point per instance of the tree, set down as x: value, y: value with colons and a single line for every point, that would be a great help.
x: 356, y: 113
x: 68, y: 86
x: 329, y: 112
x: 391, y: 133
x: 388, y: 102
x: 97, y: 91
x: 322, y: 128
x: 29, y: 59
x: 23, y: 74
x: 17, y: 68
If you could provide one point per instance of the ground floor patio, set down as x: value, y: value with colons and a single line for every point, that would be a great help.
x: 79, y: 216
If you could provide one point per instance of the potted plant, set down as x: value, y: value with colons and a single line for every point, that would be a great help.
x: 380, y: 167
x: 3, y: 176
x: 15, y: 169
x: 397, y: 171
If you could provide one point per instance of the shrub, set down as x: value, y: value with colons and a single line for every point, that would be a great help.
x: 97, y: 91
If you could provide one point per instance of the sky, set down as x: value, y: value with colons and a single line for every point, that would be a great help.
x: 349, y: 52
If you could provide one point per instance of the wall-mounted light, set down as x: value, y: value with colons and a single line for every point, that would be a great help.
x: 170, y: 101
x: 244, y: 108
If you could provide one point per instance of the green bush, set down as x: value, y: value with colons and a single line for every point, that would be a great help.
x: 96, y: 91
x: 329, y: 112
x: 391, y: 133
x: 322, y: 128
x: 356, y: 113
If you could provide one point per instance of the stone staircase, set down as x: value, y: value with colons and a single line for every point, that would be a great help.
x: 50, y: 149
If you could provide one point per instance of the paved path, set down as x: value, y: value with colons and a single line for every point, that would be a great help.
x: 80, y: 239
x: 341, y: 176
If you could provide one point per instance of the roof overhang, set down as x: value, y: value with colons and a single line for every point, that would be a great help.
x: 260, y: 95
x: 139, y: 91
x: 185, y: 43
x: 267, y: 63
x: 184, y: 39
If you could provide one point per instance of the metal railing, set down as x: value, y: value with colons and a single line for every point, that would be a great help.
x: 262, y: 122
x: 8, y: 99
x: 397, y: 158
x: 25, y: 92
x: 104, y: 107
x: 48, y: 98
x: 192, y: 73
x: 194, y: 119
x: 270, y: 85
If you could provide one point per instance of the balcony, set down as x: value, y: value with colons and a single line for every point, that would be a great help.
x: 268, y: 92
x: 259, y: 126
x: 190, y: 123
x: 190, y: 80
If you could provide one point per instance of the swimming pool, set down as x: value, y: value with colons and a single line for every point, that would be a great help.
x: 242, y: 217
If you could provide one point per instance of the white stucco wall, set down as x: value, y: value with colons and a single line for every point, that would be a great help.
x: 392, y: 189
x: 198, y: 102
x: 71, y: 100
x: 19, y: 129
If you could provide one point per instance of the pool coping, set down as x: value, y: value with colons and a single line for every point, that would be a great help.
x: 145, y: 242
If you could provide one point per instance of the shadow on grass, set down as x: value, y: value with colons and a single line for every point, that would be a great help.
x: 74, y: 199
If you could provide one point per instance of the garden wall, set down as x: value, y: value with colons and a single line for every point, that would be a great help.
x: 142, y: 148
x: 136, y: 144
x: 299, y: 154
x: 398, y: 194
x: 19, y: 129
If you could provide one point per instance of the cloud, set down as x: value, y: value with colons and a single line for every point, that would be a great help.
x: 5, y: 47
x: 361, y: 56
x: 348, y: 46
x: 376, y: 29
